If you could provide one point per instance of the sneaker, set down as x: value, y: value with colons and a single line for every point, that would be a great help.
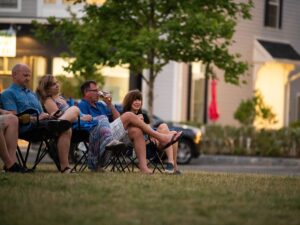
x: 169, y: 168
x: 16, y: 168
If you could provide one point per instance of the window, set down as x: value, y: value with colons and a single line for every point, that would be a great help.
x: 49, y: 2
x: 273, y: 13
x: 10, y: 5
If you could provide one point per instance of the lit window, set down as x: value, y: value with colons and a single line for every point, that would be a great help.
x: 49, y: 2
x: 273, y: 13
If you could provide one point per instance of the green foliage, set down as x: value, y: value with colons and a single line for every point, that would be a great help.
x: 254, y: 109
x: 149, y: 34
x: 295, y: 124
x: 246, y: 140
x: 69, y: 87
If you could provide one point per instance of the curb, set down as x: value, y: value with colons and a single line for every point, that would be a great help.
x: 245, y: 160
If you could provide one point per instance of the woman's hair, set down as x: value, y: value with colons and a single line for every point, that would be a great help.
x: 44, y: 85
x: 130, y: 97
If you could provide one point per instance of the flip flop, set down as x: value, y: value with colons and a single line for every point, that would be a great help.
x: 174, y: 139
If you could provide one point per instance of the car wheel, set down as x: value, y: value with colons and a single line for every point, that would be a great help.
x: 184, y: 154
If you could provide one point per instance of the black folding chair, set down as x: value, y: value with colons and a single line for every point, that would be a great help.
x: 79, y: 149
x: 122, y: 160
x: 154, y: 156
x: 127, y: 161
x: 39, y: 134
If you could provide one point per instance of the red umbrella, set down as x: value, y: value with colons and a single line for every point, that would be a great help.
x: 213, y: 109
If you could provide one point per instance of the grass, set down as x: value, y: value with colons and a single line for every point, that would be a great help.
x: 47, y: 197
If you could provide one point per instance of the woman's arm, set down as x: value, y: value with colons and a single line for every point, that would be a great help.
x: 50, y: 106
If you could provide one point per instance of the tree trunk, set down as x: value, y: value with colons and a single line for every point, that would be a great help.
x: 150, y: 94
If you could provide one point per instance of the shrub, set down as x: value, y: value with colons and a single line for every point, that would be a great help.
x: 246, y: 140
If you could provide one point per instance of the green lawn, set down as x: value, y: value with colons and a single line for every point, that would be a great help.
x: 47, y: 197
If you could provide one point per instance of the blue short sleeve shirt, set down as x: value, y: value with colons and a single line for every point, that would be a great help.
x: 100, y: 109
x: 16, y: 98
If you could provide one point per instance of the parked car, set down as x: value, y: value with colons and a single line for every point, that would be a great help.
x: 189, y: 143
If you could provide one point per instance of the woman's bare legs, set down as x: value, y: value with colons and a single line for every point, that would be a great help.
x: 129, y: 119
x: 137, y: 137
x: 164, y: 129
x: 175, y: 150
x: 63, y: 146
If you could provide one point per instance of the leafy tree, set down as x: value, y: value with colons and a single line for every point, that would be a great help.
x: 148, y: 34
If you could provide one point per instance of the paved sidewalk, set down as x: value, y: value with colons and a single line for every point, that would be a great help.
x: 245, y: 164
x: 245, y: 160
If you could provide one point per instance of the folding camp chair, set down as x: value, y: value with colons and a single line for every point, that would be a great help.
x: 41, y: 134
x: 127, y: 161
x: 122, y: 160
x: 79, y: 149
x: 154, y: 156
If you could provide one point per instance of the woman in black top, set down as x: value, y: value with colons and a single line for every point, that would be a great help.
x: 133, y: 102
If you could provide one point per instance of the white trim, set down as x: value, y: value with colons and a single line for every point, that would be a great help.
x: 276, y: 4
x: 177, y: 92
x: 12, y: 10
x: 22, y: 20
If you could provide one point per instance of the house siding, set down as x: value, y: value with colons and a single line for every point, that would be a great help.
x: 229, y: 96
x: 28, y: 9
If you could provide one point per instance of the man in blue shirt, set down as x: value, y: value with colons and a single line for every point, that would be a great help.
x: 18, y: 98
x: 127, y: 125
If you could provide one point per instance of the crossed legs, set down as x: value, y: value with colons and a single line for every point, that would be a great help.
x: 129, y: 119
x: 71, y: 114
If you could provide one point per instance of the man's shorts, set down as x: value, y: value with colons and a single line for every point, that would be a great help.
x: 117, y: 129
x: 2, y: 122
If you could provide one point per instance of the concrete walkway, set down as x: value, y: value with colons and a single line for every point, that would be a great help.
x: 245, y: 164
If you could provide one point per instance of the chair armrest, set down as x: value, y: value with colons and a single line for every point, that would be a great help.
x: 24, y: 117
x: 28, y: 111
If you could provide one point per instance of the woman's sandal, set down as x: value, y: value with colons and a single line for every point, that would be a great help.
x: 175, y: 138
